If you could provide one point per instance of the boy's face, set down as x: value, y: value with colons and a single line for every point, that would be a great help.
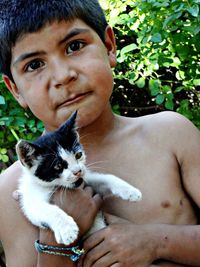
x: 62, y: 68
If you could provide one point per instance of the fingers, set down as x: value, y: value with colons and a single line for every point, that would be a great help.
x: 98, y: 200
x: 93, y: 255
x: 96, y: 197
x: 88, y: 189
x: 93, y: 240
x: 99, y: 256
x: 116, y: 265
x: 16, y: 195
x: 96, y: 259
x: 111, y: 219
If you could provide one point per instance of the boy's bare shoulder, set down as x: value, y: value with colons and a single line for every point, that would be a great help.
x: 166, y: 119
x: 167, y: 129
x: 8, y: 184
x: 167, y: 124
x: 9, y: 178
x: 15, y: 230
x: 173, y: 133
x: 174, y: 128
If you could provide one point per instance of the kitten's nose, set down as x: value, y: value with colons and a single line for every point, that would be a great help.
x: 77, y: 173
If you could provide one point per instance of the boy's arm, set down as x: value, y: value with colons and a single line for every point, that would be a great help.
x: 188, y: 156
x: 140, y: 245
x: 83, y: 209
x: 18, y: 235
x: 43, y: 260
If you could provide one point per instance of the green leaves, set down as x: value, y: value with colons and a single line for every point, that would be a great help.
x: 194, y: 10
x: 3, y: 156
x: 140, y: 82
x: 154, y: 86
x: 124, y: 53
x: 156, y: 38
x: 2, y: 100
x: 163, y: 94
x: 160, y: 98
x: 128, y: 48
x: 15, y: 124
x: 158, y: 44
x: 158, y: 55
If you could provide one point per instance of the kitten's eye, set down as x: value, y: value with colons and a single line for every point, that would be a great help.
x: 58, y: 167
x: 78, y: 155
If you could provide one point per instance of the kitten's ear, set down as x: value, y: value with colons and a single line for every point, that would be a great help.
x: 27, y: 152
x: 70, y: 124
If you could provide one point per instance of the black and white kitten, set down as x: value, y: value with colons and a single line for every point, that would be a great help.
x: 57, y: 159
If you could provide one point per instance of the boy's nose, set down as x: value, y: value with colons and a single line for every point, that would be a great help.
x: 62, y: 75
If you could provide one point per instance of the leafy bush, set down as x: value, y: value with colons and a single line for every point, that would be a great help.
x: 15, y: 123
x: 158, y: 54
x: 158, y: 67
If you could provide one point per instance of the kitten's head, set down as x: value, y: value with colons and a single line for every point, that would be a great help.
x: 56, y: 158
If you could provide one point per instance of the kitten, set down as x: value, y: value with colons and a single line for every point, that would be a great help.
x: 57, y: 159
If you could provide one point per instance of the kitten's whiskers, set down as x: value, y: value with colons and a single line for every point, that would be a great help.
x: 91, y: 165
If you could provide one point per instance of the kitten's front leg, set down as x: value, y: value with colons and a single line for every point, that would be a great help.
x: 48, y: 215
x: 103, y: 183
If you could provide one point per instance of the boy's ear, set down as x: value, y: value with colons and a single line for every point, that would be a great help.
x: 14, y: 91
x: 110, y: 44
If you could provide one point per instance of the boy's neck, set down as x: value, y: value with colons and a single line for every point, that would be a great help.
x: 100, y: 129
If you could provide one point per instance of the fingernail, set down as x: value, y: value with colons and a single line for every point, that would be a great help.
x: 16, y: 195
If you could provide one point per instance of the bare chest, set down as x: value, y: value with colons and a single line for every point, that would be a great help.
x: 158, y: 176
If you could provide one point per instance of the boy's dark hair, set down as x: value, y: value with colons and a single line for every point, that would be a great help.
x: 18, y: 17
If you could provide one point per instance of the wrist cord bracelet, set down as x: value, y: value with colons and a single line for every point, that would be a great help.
x: 53, y: 250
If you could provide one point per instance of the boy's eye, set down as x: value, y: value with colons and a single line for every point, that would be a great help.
x: 78, y: 155
x: 74, y: 46
x: 34, y: 65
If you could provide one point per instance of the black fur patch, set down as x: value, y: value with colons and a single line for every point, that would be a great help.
x: 44, y: 152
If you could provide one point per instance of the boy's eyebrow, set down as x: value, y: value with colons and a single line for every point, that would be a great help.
x: 71, y: 34
x: 27, y: 55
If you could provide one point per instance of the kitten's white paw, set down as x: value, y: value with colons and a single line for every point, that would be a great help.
x: 128, y: 193
x: 66, y: 231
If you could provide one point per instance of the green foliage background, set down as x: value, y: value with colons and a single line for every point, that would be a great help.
x: 158, y: 67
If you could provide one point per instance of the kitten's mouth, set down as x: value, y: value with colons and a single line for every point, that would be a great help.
x: 77, y: 183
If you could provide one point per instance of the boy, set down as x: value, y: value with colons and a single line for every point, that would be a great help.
x: 56, y: 57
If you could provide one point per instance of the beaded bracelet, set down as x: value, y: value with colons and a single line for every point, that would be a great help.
x: 53, y: 250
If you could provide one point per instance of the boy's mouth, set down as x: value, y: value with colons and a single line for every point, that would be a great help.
x: 74, y: 99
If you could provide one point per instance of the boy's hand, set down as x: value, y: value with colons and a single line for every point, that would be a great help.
x: 120, y: 244
x: 80, y: 203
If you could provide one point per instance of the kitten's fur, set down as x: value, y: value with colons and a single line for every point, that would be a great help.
x: 57, y: 159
